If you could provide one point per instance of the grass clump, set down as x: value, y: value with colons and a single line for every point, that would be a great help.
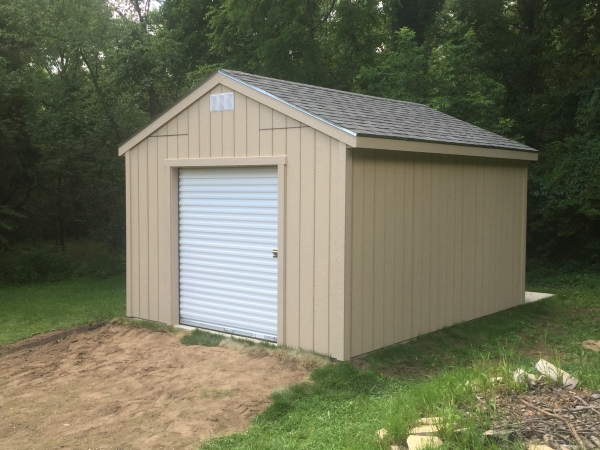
x: 202, y: 337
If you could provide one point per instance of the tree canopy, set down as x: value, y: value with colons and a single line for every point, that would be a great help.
x: 78, y: 76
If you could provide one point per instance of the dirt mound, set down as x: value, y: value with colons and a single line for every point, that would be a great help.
x: 120, y: 387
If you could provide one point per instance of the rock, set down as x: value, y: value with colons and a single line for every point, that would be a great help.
x: 425, y: 430
x: 501, y: 435
x: 423, y: 442
x: 539, y: 447
x: 591, y: 345
x: 519, y: 375
x: 531, y: 378
x: 554, y: 373
x: 596, y: 396
x: 395, y: 447
x: 429, y: 421
x: 382, y: 434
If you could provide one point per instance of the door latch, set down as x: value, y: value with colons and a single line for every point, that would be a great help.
x: 274, y: 253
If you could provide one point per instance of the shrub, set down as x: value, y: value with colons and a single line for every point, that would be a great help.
x: 43, y: 262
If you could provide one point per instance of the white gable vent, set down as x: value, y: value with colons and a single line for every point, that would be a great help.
x: 221, y: 102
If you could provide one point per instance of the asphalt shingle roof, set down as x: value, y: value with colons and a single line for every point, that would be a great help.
x: 366, y: 115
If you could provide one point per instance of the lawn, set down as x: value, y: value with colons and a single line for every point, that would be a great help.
x: 26, y: 310
x: 343, y: 407
x: 345, y: 404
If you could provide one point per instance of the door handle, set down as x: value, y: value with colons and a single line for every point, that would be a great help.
x: 274, y: 253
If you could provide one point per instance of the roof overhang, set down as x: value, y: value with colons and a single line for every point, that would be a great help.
x: 443, y: 149
x: 348, y: 137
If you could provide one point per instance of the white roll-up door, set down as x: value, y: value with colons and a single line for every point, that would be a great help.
x: 227, y: 234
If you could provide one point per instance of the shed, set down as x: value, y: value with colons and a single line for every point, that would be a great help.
x: 320, y: 219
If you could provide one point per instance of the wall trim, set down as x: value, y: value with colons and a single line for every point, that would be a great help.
x: 228, y: 162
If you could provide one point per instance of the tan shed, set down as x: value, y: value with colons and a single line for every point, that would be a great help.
x: 320, y: 219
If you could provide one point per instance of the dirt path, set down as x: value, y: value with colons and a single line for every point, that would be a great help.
x: 122, y: 387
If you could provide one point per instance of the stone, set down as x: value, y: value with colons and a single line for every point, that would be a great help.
x: 381, y: 434
x: 531, y: 378
x: 501, y: 435
x: 423, y: 442
x: 395, y: 447
x: 429, y: 421
x: 531, y: 297
x: 591, y: 345
x: 554, y: 373
x: 539, y: 447
x: 519, y: 375
x: 425, y: 430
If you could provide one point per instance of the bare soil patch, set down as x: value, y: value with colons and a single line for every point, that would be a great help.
x: 116, y: 386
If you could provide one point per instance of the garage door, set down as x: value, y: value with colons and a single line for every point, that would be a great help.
x: 227, y: 235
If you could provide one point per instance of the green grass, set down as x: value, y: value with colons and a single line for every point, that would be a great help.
x: 343, y: 407
x: 26, y: 310
x: 201, y: 337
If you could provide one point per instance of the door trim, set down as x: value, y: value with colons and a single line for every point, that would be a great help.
x: 227, y: 162
x: 170, y: 200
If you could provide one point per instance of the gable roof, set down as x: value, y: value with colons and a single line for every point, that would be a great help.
x: 366, y: 115
x: 358, y: 120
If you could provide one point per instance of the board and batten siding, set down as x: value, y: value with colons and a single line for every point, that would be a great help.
x: 314, y: 213
x: 434, y: 240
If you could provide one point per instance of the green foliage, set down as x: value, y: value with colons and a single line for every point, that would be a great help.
x: 399, y: 73
x: 318, y: 41
x: 78, y: 76
x: 42, y: 263
x: 201, y: 337
x: 38, y: 308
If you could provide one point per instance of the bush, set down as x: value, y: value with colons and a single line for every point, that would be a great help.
x: 42, y: 262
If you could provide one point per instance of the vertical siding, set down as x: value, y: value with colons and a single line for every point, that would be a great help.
x: 153, y: 228
x: 307, y: 236
x: 134, y: 301
x: 164, y: 310
x: 144, y: 223
x: 435, y: 240
x: 128, y: 231
x: 315, y: 204
x: 321, y: 243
